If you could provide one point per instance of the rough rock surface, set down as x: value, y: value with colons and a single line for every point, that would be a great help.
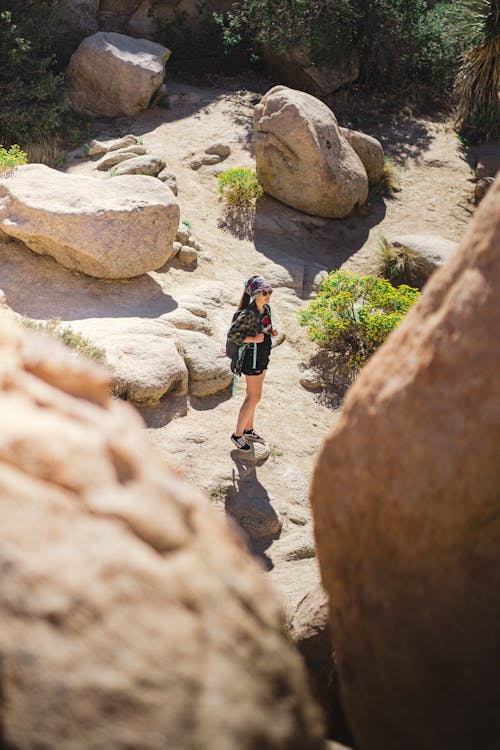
x: 370, y: 152
x: 124, y: 229
x: 407, y: 516
x: 131, y: 615
x: 208, y: 366
x: 302, y: 159
x: 114, y: 75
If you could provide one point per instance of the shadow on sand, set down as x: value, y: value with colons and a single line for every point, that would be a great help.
x: 39, y: 287
x: 248, y: 505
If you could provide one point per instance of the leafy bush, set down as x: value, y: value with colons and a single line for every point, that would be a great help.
x: 400, y: 264
x: 11, y: 157
x: 239, y: 187
x: 400, y: 42
x: 31, y: 91
x: 68, y: 337
x: 352, y: 315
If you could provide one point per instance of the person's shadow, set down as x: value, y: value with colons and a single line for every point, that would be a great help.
x: 249, y: 506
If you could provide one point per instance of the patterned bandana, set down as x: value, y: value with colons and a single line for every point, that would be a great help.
x: 256, y: 284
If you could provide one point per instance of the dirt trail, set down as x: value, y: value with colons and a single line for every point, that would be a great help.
x: 194, y: 435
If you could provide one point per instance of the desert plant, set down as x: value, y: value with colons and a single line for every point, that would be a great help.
x: 11, y: 157
x: 31, y: 91
x: 69, y: 337
x: 401, y: 43
x: 389, y: 182
x: 239, y: 187
x: 400, y: 264
x: 478, y: 80
x: 352, y: 315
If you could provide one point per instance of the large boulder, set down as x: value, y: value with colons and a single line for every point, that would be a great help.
x: 406, y: 506
x: 302, y: 158
x: 132, y: 616
x: 76, y: 19
x: 114, y: 75
x: 123, y: 229
x: 369, y: 150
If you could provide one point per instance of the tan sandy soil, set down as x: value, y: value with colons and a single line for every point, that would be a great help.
x: 436, y: 186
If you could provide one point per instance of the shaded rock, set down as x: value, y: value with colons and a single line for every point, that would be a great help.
x: 130, y: 582
x: 124, y: 229
x: 169, y: 178
x: 481, y: 188
x: 294, y: 68
x: 101, y: 147
x: 407, y: 515
x: 220, y: 149
x: 119, y: 155
x: 187, y: 256
x: 204, y: 160
x: 487, y: 158
x: 76, y: 19
x: 252, y: 511
x: 182, y: 235
x: 208, y: 366
x: 370, y: 152
x: 302, y: 158
x: 114, y: 75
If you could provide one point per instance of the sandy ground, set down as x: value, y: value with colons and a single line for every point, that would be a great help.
x: 436, y: 186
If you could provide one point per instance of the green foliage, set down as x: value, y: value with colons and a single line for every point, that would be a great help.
x: 401, y: 43
x: 70, y: 338
x: 11, y: 157
x: 31, y: 91
x: 478, y: 80
x: 352, y: 315
x: 400, y: 264
x: 239, y: 187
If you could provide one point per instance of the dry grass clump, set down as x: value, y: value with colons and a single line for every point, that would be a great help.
x: 400, y: 264
x: 72, y: 339
x: 48, y: 149
x: 389, y: 182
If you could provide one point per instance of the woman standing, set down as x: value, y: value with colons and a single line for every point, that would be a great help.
x: 252, y: 327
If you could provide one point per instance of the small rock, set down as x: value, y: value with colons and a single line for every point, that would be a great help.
x: 311, y: 381
x: 183, y: 234
x: 176, y: 246
x: 119, y: 155
x: 204, y: 160
x: 220, y: 149
x: 148, y: 165
x: 187, y: 255
x: 101, y: 147
x: 169, y: 178
x: 481, y: 188
x: 194, y: 243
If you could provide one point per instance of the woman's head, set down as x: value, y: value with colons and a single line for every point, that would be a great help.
x: 257, y: 285
x: 253, y: 287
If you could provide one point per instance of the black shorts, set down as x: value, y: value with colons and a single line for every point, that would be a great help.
x: 262, y: 360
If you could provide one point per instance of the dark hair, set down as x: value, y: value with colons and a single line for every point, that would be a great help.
x: 244, y: 301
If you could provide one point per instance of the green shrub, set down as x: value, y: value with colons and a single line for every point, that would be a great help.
x: 11, y: 157
x: 401, y: 43
x: 31, y: 91
x: 239, y: 187
x: 400, y: 264
x: 70, y: 338
x: 352, y: 315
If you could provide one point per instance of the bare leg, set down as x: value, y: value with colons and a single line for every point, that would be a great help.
x: 252, y: 398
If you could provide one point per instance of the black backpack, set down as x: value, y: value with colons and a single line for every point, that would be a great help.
x: 233, y: 350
